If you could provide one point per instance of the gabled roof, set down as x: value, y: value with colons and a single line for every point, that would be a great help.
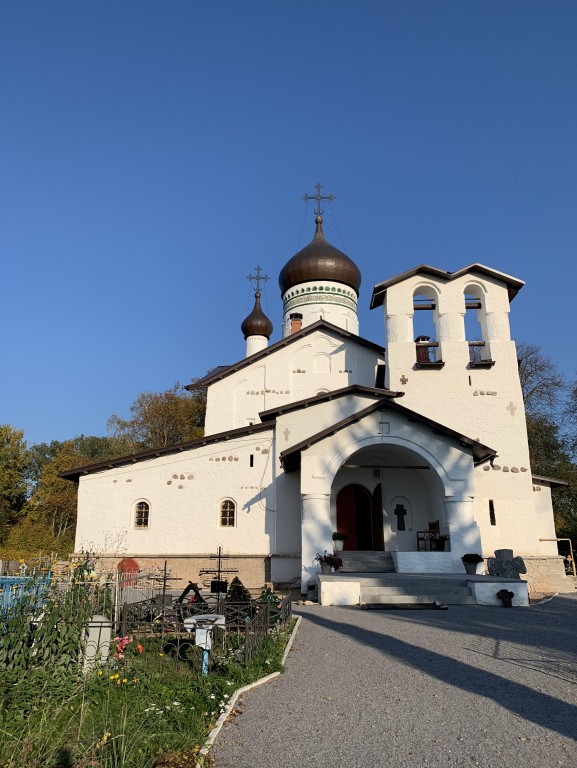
x: 153, y: 453
x: 354, y: 389
x: 222, y: 371
x: 514, y: 285
x: 553, y: 482
x: 290, y: 459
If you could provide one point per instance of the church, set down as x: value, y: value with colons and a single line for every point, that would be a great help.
x: 414, y: 447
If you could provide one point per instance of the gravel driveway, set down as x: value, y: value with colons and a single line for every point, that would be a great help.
x: 473, y: 685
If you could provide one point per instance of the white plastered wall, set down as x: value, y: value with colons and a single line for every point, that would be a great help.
x: 484, y: 404
x: 184, y: 491
x: 321, y: 300
x: 320, y: 362
x: 322, y: 461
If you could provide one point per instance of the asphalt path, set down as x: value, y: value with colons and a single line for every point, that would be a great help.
x: 469, y: 686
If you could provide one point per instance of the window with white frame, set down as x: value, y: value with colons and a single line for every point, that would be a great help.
x: 227, y: 513
x: 142, y: 514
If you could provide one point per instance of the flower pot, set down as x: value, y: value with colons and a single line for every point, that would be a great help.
x: 325, y: 568
x: 438, y: 545
x: 471, y: 568
x: 338, y: 545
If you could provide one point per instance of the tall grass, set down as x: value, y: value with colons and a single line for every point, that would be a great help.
x: 121, y: 715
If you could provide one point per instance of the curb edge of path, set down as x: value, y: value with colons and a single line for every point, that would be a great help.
x: 233, y: 699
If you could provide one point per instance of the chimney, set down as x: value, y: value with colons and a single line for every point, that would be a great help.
x: 296, y: 322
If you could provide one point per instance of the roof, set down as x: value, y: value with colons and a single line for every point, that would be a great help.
x: 290, y: 459
x: 257, y: 323
x: 222, y: 371
x: 354, y: 389
x: 514, y: 285
x: 319, y: 260
x: 153, y: 453
x: 552, y: 481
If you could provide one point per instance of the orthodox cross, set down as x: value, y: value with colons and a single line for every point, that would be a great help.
x: 400, y: 512
x: 318, y: 197
x: 258, y: 277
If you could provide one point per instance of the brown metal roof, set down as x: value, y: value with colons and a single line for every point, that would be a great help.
x: 290, y: 459
x: 319, y: 260
x: 222, y: 371
x: 354, y: 389
x: 153, y: 453
x: 552, y: 481
x: 514, y: 285
x: 257, y: 323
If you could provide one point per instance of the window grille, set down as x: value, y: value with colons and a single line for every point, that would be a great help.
x: 227, y: 513
x: 142, y: 515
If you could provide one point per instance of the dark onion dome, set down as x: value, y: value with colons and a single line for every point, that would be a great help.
x: 257, y: 323
x: 319, y: 260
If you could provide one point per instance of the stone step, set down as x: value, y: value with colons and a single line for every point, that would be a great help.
x: 564, y: 586
x: 410, y: 584
x: 367, y: 591
x: 381, y: 599
x: 366, y: 562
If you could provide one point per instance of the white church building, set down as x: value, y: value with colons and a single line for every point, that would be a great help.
x: 406, y: 446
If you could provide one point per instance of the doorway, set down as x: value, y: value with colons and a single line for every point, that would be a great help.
x: 360, y: 517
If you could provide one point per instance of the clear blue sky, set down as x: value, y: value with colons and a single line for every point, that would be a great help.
x: 152, y: 153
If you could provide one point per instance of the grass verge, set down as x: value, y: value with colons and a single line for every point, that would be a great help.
x: 143, y: 711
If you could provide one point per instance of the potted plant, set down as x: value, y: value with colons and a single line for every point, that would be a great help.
x: 438, y: 541
x: 471, y: 560
x: 329, y: 561
x: 339, y: 540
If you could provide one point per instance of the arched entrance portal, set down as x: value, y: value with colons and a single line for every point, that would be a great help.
x: 360, y: 516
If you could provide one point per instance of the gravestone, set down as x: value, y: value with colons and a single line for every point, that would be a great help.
x: 505, y: 565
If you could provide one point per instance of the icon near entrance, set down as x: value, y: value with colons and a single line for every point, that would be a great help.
x: 360, y: 516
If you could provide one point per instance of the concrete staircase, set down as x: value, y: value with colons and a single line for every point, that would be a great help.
x: 366, y: 562
x: 375, y: 571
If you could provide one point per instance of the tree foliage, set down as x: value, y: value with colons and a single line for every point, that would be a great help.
x: 542, y: 384
x: 13, y: 475
x: 52, y: 504
x: 160, y: 419
x: 551, y: 433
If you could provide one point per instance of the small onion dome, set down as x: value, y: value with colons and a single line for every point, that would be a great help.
x: 319, y: 260
x: 257, y: 323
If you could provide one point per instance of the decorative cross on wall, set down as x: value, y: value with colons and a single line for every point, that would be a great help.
x: 404, y: 379
x: 512, y: 408
x: 400, y: 513
x: 286, y: 433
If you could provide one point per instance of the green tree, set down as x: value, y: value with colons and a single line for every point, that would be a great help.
x: 13, y: 474
x: 543, y: 386
x: 52, y: 504
x: 160, y: 419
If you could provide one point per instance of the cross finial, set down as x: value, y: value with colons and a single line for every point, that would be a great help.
x: 258, y: 278
x: 318, y: 197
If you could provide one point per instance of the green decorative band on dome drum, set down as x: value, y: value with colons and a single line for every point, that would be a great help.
x: 319, y: 297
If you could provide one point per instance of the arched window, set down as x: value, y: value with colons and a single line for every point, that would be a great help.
x: 475, y: 327
x: 142, y: 514
x: 227, y: 513
x: 425, y: 312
